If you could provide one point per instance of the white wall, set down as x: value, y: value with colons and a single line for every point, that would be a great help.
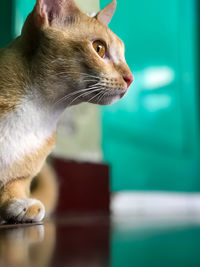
x: 88, y: 6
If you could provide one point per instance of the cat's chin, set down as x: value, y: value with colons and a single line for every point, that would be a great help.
x: 108, y: 100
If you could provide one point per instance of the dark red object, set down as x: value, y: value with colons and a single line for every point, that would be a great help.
x: 84, y: 187
x: 82, y: 241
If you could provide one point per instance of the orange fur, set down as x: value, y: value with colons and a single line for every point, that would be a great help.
x: 13, y: 77
x: 20, y: 187
x: 51, y: 66
x: 45, y: 188
x: 30, y: 165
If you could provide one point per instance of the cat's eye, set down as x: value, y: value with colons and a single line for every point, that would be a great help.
x: 100, y: 48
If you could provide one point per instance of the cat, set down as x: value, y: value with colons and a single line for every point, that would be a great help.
x: 62, y: 58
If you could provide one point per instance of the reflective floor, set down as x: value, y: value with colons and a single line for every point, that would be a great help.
x: 92, y: 241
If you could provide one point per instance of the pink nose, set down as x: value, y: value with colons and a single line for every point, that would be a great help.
x: 128, y: 79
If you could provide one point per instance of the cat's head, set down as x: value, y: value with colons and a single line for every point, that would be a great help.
x: 77, y: 54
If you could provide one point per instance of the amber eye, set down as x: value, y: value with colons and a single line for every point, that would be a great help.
x: 100, y: 48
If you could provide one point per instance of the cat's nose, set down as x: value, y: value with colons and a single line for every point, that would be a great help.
x: 128, y: 78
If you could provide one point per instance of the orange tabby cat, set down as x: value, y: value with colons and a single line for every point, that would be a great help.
x: 62, y: 58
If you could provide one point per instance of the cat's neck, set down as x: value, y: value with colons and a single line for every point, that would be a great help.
x: 25, y: 130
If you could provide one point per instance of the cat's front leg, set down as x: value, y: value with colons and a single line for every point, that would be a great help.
x: 16, y: 207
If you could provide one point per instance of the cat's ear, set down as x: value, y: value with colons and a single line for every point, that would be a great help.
x: 48, y: 11
x: 106, y: 14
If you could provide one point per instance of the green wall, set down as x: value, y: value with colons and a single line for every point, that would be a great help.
x: 21, y: 10
x: 6, y: 22
x: 12, y: 16
x: 151, y: 137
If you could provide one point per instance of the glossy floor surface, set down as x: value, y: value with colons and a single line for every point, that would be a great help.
x: 95, y: 241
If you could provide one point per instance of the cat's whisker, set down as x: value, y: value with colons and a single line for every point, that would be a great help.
x: 102, y: 92
x: 102, y: 96
x: 92, y: 91
x: 95, y: 96
x: 84, y: 94
x: 74, y: 93
x: 85, y: 89
x: 67, y: 96
x: 99, y: 86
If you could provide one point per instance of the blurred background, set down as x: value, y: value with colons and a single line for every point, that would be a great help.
x: 146, y: 147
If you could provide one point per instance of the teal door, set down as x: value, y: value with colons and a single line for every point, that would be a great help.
x: 150, y: 138
x: 6, y: 22
x: 21, y: 10
x: 12, y: 16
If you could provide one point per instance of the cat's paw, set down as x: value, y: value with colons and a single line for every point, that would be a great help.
x: 23, y: 211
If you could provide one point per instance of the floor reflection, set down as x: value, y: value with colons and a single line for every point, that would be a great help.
x: 73, y: 241
x: 102, y: 241
x: 82, y: 241
x: 155, y: 240
x: 24, y: 246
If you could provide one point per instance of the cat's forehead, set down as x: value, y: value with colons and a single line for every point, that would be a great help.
x: 87, y: 29
x: 91, y: 29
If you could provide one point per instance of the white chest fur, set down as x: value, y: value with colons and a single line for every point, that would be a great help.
x: 24, y: 131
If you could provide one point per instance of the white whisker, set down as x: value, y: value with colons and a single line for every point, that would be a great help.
x: 94, y: 96
x: 74, y: 93
x: 84, y: 94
